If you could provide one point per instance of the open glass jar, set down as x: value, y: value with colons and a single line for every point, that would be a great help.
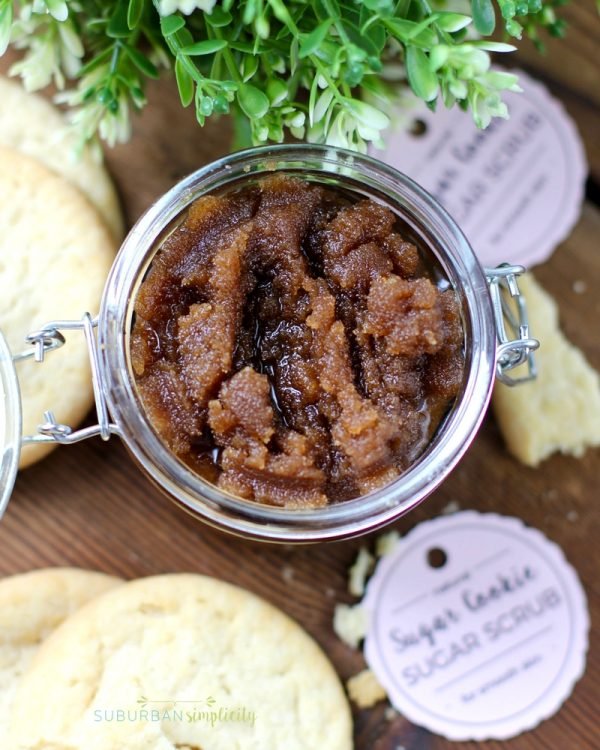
x: 495, y: 332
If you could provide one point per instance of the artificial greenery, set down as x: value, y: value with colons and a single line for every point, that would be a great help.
x: 324, y: 70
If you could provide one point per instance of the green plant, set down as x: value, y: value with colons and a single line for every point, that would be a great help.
x: 324, y: 70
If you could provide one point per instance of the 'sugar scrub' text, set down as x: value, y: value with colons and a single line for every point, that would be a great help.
x: 449, y: 635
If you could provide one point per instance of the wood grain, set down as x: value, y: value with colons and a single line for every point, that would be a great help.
x: 88, y: 505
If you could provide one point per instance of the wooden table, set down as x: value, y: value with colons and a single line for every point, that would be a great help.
x: 88, y: 505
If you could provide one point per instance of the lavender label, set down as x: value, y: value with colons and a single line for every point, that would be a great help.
x: 515, y: 189
x: 477, y: 626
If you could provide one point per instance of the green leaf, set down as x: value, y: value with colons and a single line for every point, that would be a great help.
x: 141, y: 62
x: 6, y: 19
x: 311, y: 42
x: 277, y: 91
x: 493, y: 46
x: 328, y: 52
x: 377, y: 35
x: 134, y: 12
x: 96, y: 24
x: 185, y: 37
x: 383, y: 7
x: 282, y: 13
x: 409, y: 31
x: 295, y: 56
x: 438, y: 56
x: 207, y: 47
x: 246, y: 47
x: 453, y: 22
x: 229, y: 86
x: 362, y: 41
x: 218, y: 17
x: 312, y: 99
x: 117, y: 26
x: 249, y: 67
x: 253, y: 101
x: 367, y: 114
x: 322, y: 105
x: 262, y: 27
x: 484, y: 17
x: 58, y: 9
x: 185, y: 82
x: 170, y: 25
x: 421, y: 78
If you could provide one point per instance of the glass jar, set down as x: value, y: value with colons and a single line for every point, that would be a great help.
x: 489, y: 350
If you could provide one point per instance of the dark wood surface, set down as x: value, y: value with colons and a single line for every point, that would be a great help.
x: 88, y: 505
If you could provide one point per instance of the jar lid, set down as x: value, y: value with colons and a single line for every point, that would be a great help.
x: 10, y: 424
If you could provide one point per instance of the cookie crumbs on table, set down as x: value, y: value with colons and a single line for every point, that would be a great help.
x: 365, y: 690
x: 451, y: 507
x: 359, y: 571
x: 350, y: 623
x: 386, y: 543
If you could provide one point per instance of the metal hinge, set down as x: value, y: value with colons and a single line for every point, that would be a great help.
x: 515, y: 345
x: 46, y: 340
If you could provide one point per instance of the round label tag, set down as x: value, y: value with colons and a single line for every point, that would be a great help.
x: 515, y: 189
x: 477, y: 626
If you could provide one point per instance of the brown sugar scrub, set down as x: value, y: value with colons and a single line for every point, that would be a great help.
x: 290, y: 346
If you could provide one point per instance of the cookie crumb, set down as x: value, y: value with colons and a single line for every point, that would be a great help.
x: 365, y: 690
x: 287, y: 573
x: 572, y: 516
x: 450, y: 508
x: 359, y: 571
x: 350, y: 623
x: 386, y: 543
x: 579, y: 286
x: 390, y: 713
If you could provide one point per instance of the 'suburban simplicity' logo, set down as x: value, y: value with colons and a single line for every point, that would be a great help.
x: 207, y: 711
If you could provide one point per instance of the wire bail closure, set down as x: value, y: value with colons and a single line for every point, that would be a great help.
x: 47, y: 339
x: 515, y: 345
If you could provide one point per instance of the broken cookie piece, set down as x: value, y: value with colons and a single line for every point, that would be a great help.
x: 365, y: 690
x: 560, y: 409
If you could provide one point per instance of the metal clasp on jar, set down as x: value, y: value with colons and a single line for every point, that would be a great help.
x: 45, y: 340
x: 515, y: 345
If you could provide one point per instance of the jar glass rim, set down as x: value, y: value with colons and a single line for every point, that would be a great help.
x: 351, y: 517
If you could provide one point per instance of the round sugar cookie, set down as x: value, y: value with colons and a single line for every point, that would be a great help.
x: 55, y: 255
x: 32, y: 605
x: 29, y: 123
x: 180, y: 661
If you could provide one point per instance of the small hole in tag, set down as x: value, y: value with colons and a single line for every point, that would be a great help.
x: 436, y: 557
x: 418, y: 128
